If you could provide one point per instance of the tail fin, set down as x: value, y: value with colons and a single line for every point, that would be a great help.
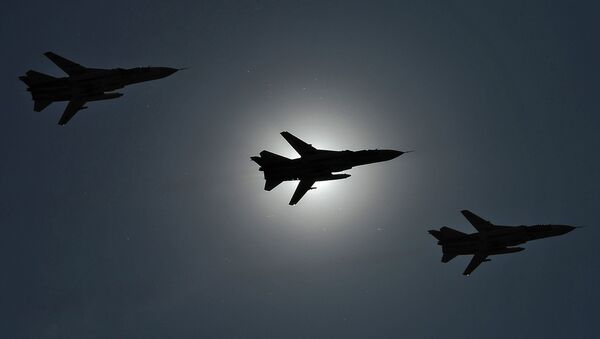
x: 33, y: 78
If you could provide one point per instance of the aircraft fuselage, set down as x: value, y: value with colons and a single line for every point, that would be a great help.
x: 313, y: 165
x: 93, y: 84
x: 323, y: 163
x: 496, y: 240
x: 490, y: 239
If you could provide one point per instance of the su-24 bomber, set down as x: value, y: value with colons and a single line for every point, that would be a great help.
x: 490, y: 239
x: 314, y: 165
x: 84, y: 84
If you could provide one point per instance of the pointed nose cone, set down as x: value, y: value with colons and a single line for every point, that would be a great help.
x: 166, y: 71
x: 159, y: 72
x: 391, y: 154
x: 395, y: 154
x: 562, y: 229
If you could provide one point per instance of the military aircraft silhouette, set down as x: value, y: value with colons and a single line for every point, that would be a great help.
x: 84, y: 84
x: 490, y: 239
x: 313, y: 165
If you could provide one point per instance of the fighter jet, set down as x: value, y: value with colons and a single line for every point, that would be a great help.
x: 313, y: 165
x: 490, y: 239
x: 84, y: 84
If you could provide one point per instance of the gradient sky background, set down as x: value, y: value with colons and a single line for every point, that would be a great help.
x: 145, y: 218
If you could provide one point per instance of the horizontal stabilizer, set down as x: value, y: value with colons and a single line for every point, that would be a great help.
x: 257, y: 160
x: 39, y: 105
x: 437, y: 234
x: 270, y: 184
x: 450, y: 233
x: 272, y: 157
x: 267, y: 158
x: 446, y: 233
x: 33, y: 78
x: 447, y: 257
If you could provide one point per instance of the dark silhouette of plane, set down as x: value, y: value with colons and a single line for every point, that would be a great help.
x: 490, y: 239
x: 84, y: 84
x: 313, y: 165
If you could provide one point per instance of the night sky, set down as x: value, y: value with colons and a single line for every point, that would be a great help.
x: 145, y: 218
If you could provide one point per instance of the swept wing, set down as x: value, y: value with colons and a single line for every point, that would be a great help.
x: 70, y: 67
x: 73, y: 107
x: 477, y: 259
x: 479, y: 223
x: 300, y: 146
x: 304, y: 186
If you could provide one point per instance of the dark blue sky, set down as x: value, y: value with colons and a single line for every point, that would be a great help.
x: 144, y: 217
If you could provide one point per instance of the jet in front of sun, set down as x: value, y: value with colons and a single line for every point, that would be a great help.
x: 490, y: 239
x: 84, y: 84
x: 313, y: 165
